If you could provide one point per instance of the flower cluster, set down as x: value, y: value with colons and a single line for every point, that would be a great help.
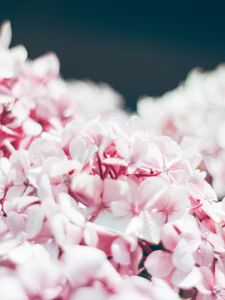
x: 95, y: 206
x: 34, y: 98
x: 195, y: 109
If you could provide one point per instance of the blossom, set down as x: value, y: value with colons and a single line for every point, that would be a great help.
x: 102, y: 206
x: 195, y: 109
x: 35, y: 99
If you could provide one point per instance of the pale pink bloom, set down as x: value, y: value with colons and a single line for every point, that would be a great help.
x: 178, y: 267
x: 168, y: 205
x: 36, y: 99
x: 77, y: 187
x: 212, y: 284
x: 194, y: 109
x: 203, y: 199
x: 92, y: 204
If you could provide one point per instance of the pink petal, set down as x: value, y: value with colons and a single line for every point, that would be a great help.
x: 16, y: 223
x: 150, y: 229
x: 88, y: 265
x: 90, y: 235
x: 186, y: 280
x: 160, y: 290
x: 88, y: 188
x: 120, y: 252
x: 159, y: 264
x: 206, y: 282
x: 169, y: 237
x: 32, y: 128
x: 35, y: 218
x: 151, y: 188
x: 182, y: 258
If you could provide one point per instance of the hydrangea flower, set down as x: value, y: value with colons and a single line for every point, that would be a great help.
x: 35, y: 99
x: 98, y: 207
x: 194, y: 109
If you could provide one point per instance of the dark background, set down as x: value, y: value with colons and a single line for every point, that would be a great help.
x: 139, y: 47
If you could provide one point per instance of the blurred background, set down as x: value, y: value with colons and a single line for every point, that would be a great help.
x: 138, y: 47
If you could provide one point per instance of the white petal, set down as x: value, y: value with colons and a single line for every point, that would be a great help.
x: 120, y: 252
x: 35, y: 218
x: 31, y: 128
x: 16, y: 223
x: 5, y: 34
x: 150, y: 230
x: 186, y: 280
x: 159, y: 263
x: 182, y: 258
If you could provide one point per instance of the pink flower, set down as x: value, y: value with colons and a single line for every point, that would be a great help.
x: 99, y: 207
x: 212, y: 284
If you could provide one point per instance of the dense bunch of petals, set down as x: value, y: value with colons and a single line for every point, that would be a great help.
x: 195, y: 109
x: 93, y: 205
x: 109, y: 186
x: 35, y: 99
